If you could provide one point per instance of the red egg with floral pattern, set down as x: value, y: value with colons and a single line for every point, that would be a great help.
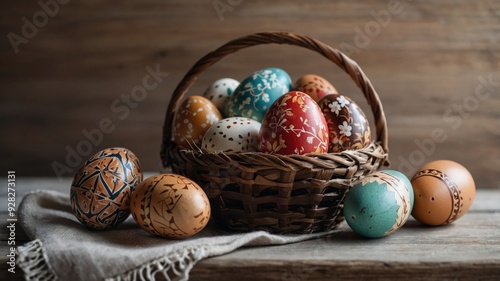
x: 347, y: 124
x: 294, y: 124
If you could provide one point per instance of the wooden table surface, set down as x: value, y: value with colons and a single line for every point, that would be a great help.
x: 468, y: 249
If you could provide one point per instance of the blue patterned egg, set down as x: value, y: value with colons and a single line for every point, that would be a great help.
x: 101, y: 189
x: 407, y: 182
x: 379, y: 204
x: 256, y: 93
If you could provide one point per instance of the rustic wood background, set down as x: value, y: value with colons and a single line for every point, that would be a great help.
x: 435, y: 65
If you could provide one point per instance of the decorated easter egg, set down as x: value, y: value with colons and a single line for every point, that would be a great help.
x: 256, y: 93
x: 119, y: 161
x: 100, y: 191
x: 378, y: 204
x: 239, y: 134
x: 294, y: 125
x: 170, y: 206
x: 193, y: 118
x: 220, y: 91
x: 444, y: 192
x: 347, y: 124
x: 406, y: 181
x: 315, y: 86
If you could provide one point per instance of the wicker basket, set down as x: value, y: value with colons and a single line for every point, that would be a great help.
x: 280, y: 194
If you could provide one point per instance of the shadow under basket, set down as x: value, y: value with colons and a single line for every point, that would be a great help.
x: 277, y: 193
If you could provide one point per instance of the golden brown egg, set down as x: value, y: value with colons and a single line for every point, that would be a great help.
x: 194, y: 117
x: 170, y: 206
x: 315, y: 86
x: 444, y: 191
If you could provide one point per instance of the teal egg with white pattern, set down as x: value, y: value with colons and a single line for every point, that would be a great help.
x: 256, y: 93
x: 379, y: 204
x: 407, y: 182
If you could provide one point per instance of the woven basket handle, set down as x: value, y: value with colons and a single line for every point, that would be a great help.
x: 334, y: 55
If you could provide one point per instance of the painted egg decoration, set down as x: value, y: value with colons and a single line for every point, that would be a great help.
x: 444, y: 192
x: 193, y: 118
x: 378, y: 204
x: 315, y: 86
x: 120, y: 161
x: 407, y: 183
x: 256, y: 93
x: 294, y: 125
x: 238, y: 134
x: 100, y: 191
x: 170, y: 206
x: 347, y: 124
x: 220, y: 91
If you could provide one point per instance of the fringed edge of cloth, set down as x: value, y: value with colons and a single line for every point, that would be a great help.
x: 34, y: 262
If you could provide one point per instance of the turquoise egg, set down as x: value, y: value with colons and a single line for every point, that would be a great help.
x: 256, y: 93
x: 379, y: 204
x: 407, y: 182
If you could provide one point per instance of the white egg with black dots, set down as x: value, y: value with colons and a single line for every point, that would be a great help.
x: 220, y: 91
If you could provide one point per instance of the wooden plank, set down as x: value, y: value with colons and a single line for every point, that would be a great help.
x: 346, y: 270
x: 476, y: 235
x: 426, y: 59
x: 469, y: 249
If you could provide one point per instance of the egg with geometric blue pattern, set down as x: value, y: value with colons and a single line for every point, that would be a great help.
x: 379, y: 204
x: 101, y: 189
x: 256, y: 93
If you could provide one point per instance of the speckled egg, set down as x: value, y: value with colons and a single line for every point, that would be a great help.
x: 294, y: 125
x: 220, y: 91
x: 315, y: 86
x: 192, y: 120
x: 379, y: 204
x: 101, y: 189
x: 256, y: 93
x: 444, y: 192
x: 347, y: 124
x: 170, y: 206
x: 239, y: 134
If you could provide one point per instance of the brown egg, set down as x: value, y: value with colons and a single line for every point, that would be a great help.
x: 170, y: 206
x: 444, y: 191
x: 99, y: 199
x: 120, y: 161
x: 193, y: 118
x: 315, y: 86
x: 100, y: 192
x: 347, y: 124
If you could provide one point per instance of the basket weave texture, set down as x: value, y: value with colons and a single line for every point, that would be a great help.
x: 276, y: 193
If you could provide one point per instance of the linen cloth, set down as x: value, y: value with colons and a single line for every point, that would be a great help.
x: 63, y: 249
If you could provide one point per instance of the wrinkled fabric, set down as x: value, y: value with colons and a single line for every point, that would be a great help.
x: 63, y: 249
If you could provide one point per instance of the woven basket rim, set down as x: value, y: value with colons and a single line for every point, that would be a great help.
x: 340, y: 59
